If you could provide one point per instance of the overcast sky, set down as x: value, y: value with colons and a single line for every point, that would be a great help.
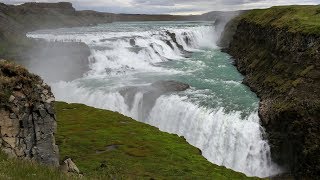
x: 170, y: 6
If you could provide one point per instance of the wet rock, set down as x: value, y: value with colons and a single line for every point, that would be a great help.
x: 132, y: 42
x: 170, y: 86
x: 150, y: 94
x: 169, y: 44
x: 173, y: 37
x: 186, y: 39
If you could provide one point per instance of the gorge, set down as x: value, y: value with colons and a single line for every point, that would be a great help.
x: 124, y: 75
x: 173, y: 75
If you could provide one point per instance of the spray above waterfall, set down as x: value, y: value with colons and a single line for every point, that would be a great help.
x: 173, y: 76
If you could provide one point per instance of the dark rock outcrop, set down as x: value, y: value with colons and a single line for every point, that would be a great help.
x: 170, y: 86
x: 283, y: 68
x: 173, y: 37
x: 150, y: 94
x: 27, y: 116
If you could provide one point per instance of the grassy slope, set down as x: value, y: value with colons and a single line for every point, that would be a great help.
x: 105, y: 144
x: 25, y: 170
x: 296, y: 18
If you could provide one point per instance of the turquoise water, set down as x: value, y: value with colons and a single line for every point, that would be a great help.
x: 216, y: 82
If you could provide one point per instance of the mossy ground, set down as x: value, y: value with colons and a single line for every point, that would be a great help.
x: 295, y: 18
x: 106, y: 145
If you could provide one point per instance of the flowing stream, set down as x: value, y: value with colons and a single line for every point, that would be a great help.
x: 130, y: 65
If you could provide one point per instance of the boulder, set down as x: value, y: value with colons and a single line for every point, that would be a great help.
x: 68, y: 166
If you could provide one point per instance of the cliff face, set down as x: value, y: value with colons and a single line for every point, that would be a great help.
x: 27, y: 116
x: 282, y: 66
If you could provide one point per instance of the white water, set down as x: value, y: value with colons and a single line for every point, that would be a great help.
x: 222, y: 122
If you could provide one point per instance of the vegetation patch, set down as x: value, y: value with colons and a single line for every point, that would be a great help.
x: 26, y: 170
x: 106, y: 144
x: 294, y: 18
x: 13, y: 76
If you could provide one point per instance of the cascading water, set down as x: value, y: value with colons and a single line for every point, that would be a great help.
x: 130, y: 64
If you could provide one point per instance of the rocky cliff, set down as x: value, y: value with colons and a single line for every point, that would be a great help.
x: 278, y: 51
x: 27, y: 116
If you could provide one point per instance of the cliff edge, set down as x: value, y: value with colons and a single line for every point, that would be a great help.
x: 278, y: 51
x: 27, y: 116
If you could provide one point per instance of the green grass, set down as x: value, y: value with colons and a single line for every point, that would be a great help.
x: 304, y: 19
x: 26, y: 170
x: 105, y: 145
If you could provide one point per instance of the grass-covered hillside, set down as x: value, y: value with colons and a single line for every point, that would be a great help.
x: 107, y: 145
x: 295, y: 18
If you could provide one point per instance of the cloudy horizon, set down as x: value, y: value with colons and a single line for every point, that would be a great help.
x: 181, y: 7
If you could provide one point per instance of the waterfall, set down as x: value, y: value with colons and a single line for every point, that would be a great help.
x: 125, y: 61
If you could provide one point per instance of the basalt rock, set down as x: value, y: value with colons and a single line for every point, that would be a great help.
x: 173, y: 37
x: 170, y: 86
x: 150, y: 94
x: 27, y: 119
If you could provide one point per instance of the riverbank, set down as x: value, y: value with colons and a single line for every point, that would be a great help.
x: 277, y: 50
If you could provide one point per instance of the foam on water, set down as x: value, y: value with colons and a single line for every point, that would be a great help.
x: 218, y: 114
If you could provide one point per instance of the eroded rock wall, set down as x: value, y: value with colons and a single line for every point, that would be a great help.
x: 283, y: 68
x: 27, y: 116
